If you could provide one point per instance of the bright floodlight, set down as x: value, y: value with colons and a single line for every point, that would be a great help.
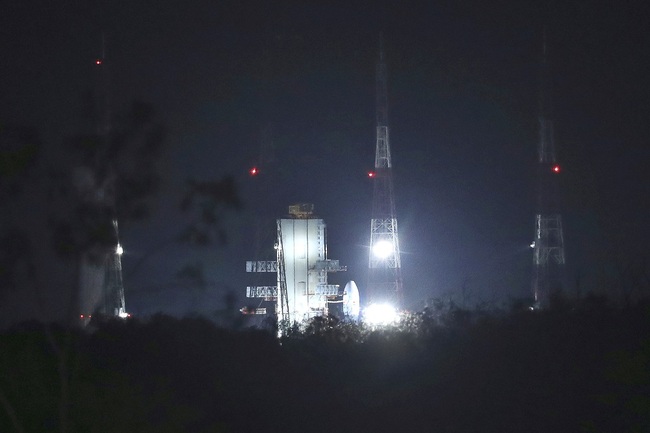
x: 119, y: 250
x: 382, y: 249
x: 380, y: 314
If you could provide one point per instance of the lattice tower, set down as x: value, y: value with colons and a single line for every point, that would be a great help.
x: 385, y: 276
x: 548, y: 244
x: 101, y: 283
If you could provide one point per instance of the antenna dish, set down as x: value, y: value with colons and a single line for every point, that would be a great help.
x: 351, y: 307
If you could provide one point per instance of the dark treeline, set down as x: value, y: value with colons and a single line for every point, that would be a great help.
x: 567, y: 369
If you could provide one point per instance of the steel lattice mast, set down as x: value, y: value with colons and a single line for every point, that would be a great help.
x: 548, y: 245
x: 101, y: 285
x: 385, y: 276
x: 115, y: 304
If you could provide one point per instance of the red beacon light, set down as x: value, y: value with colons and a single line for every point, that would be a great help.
x: 371, y: 174
x: 253, y: 171
x: 98, y: 61
x: 555, y: 168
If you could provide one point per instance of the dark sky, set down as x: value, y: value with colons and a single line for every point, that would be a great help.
x: 463, y: 91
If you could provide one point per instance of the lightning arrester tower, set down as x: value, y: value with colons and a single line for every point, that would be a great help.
x: 548, y: 244
x: 101, y: 285
x: 114, y: 303
x: 384, y: 277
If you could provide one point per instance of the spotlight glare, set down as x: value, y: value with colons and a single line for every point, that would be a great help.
x: 380, y: 314
x: 382, y: 249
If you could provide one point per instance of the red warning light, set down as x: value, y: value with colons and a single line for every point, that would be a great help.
x: 254, y: 171
x: 371, y: 174
x: 555, y: 168
x: 98, y: 61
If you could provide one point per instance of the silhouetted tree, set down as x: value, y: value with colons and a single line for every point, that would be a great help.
x: 19, y: 151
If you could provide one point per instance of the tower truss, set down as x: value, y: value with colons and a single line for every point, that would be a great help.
x: 385, y: 276
x: 548, y: 244
x: 101, y: 286
x: 115, y: 304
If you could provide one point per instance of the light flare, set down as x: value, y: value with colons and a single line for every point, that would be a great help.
x: 380, y: 314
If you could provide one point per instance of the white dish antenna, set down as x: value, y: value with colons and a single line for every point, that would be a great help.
x: 351, y: 307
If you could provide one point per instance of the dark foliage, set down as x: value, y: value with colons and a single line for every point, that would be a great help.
x: 105, y: 176
x: 16, y: 264
x: 205, y: 202
x: 20, y: 149
x: 584, y: 368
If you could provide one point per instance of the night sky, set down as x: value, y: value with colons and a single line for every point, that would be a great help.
x: 225, y: 77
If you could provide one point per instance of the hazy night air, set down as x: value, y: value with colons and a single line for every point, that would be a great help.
x: 242, y: 149
x: 463, y: 92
